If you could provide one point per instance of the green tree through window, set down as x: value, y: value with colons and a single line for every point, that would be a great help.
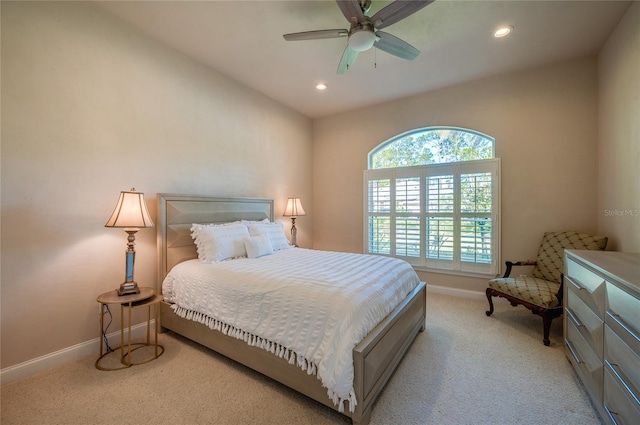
x: 435, y: 145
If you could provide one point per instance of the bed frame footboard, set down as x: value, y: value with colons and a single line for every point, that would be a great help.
x: 375, y: 358
x: 379, y: 353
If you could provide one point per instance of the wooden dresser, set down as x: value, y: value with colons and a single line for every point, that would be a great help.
x: 602, y: 329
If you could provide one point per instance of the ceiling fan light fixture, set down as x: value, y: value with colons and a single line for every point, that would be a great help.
x: 361, y: 40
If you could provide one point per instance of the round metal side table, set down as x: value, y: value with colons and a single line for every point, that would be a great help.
x: 146, y: 298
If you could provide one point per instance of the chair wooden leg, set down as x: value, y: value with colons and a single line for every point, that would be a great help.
x: 547, y: 317
x: 489, y: 293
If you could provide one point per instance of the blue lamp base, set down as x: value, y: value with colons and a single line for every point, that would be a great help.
x: 129, y: 287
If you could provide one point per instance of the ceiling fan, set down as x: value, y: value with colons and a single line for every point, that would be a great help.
x: 365, y: 31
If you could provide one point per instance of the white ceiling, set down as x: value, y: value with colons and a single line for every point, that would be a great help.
x: 243, y: 40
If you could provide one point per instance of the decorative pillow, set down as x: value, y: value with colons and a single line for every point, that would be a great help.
x: 198, y: 235
x: 217, y: 243
x: 257, y: 246
x: 275, y: 233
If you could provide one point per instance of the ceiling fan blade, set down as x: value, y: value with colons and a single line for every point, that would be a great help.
x: 393, y: 45
x: 351, y: 10
x: 315, y: 35
x: 348, y: 58
x: 397, y: 11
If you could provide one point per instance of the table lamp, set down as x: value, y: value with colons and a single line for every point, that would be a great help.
x: 131, y: 214
x: 294, y: 209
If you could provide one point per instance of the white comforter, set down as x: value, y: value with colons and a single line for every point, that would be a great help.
x: 311, y: 307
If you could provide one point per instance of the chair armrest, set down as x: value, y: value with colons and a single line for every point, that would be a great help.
x: 510, y: 264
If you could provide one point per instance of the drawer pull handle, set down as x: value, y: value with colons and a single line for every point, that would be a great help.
x: 573, y: 318
x: 611, y: 414
x: 575, y: 283
x: 619, y: 321
x: 573, y: 351
x: 614, y: 369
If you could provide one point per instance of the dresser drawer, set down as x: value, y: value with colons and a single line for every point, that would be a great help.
x: 583, y: 275
x: 624, y: 359
x: 586, y: 362
x: 588, y: 323
x: 593, y: 295
x: 620, y: 405
x: 623, y: 309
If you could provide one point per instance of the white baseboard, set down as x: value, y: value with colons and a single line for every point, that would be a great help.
x: 463, y: 293
x: 455, y: 292
x: 51, y: 360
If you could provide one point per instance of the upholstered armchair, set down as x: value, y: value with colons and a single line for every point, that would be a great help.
x: 541, y: 292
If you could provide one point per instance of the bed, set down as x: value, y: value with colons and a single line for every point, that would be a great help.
x: 375, y: 357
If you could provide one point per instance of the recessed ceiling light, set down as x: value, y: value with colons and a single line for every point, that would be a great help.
x: 321, y: 86
x: 503, y: 31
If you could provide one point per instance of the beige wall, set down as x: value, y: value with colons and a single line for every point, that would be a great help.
x: 90, y: 108
x: 544, y: 124
x: 619, y: 135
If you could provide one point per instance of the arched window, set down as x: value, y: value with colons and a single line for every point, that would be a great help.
x: 433, y: 145
x: 433, y: 197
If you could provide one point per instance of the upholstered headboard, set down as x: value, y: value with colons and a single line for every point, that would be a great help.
x: 176, y: 214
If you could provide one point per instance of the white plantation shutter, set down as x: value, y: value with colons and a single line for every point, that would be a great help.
x: 476, y: 223
x: 440, y: 230
x: 379, y: 216
x: 441, y: 217
x: 407, y: 220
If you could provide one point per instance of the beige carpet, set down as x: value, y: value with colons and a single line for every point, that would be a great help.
x: 466, y: 368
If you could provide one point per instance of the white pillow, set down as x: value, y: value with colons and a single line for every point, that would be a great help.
x: 198, y: 235
x: 217, y: 243
x: 257, y: 246
x: 275, y: 233
x: 200, y: 238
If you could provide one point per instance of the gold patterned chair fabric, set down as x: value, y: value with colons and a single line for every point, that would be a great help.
x: 542, y: 291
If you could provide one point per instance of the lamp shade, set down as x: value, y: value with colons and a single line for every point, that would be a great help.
x: 294, y: 207
x: 130, y: 212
